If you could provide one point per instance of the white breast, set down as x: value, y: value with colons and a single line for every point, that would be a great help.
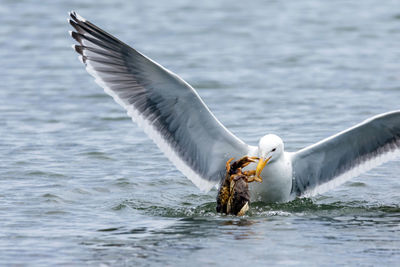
x: 277, y: 181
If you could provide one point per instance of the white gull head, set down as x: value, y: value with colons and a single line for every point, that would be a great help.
x: 270, y: 146
x: 277, y: 176
x: 270, y: 149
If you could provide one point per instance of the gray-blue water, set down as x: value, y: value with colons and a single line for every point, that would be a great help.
x: 80, y: 184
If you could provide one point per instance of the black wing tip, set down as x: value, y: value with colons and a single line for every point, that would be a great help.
x: 76, y: 17
x: 76, y: 36
x: 74, y: 21
x: 85, y: 30
x: 72, y: 15
x: 78, y: 49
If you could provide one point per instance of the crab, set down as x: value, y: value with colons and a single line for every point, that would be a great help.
x: 233, y: 195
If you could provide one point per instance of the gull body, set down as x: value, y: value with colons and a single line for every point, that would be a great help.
x: 277, y: 182
x: 276, y: 173
x: 174, y: 116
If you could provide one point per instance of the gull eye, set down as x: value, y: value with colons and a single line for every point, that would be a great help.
x: 273, y: 150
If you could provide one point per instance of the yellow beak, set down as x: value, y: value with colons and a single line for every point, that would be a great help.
x: 261, y: 164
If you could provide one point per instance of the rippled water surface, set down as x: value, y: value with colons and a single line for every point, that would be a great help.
x: 80, y: 184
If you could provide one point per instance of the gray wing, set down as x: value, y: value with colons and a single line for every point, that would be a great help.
x: 165, y: 106
x: 333, y: 161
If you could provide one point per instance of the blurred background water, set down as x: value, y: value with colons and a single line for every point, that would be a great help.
x: 80, y: 184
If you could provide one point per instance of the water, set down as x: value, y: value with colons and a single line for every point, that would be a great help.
x: 81, y: 185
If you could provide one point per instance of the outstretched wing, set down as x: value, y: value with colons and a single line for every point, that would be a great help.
x: 333, y: 161
x: 165, y: 106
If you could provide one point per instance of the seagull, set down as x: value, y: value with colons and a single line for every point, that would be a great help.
x: 174, y: 116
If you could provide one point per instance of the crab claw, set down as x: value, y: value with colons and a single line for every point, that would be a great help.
x: 243, y: 162
x: 228, y: 164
